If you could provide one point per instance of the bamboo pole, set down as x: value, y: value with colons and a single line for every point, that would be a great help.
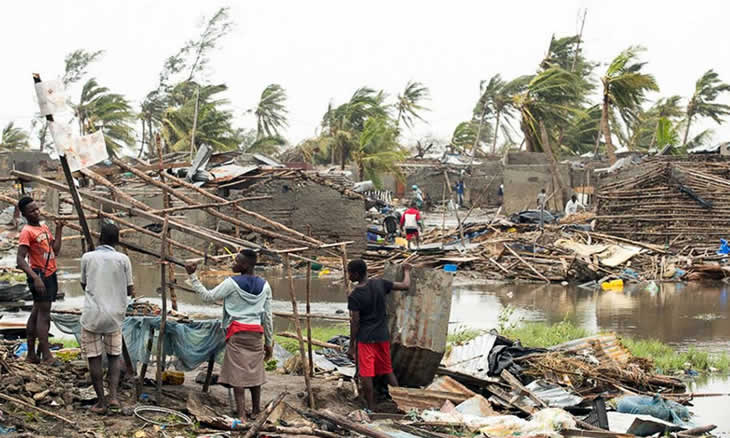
x: 526, y: 264
x: 163, y: 316
x: 309, y: 311
x: 298, y: 326
x: 167, y: 203
x: 344, y: 268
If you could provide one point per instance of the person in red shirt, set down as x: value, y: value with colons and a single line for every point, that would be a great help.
x: 410, y: 221
x: 37, y: 251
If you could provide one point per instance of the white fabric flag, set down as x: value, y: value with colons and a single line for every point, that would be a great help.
x: 86, y: 151
x: 61, y: 134
x: 51, y: 97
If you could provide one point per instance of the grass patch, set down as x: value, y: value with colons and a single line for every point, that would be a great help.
x: 668, y: 360
x: 538, y: 334
x: 319, y: 333
x: 67, y: 342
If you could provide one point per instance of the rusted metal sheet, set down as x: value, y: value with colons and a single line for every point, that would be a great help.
x: 603, y: 347
x: 411, y: 398
x: 230, y: 172
x: 418, y: 321
x: 472, y: 358
x: 447, y: 384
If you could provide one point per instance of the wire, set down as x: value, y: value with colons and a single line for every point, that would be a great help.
x: 186, y: 420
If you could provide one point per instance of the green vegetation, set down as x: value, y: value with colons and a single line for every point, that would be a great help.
x: 319, y: 333
x: 13, y: 138
x: 67, y: 342
x: 462, y: 336
x: 666, y: 359
x: 544, y: 335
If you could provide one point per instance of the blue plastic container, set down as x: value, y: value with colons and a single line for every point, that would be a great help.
x: 450, y: 268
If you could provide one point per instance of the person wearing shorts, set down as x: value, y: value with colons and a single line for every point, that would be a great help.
x: 369, y: 337
x: 410, y: 222
x: 106, y: 278
x: 37, y: 251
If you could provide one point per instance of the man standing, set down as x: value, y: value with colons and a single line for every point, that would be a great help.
x: 460, y: 193
x: 369, y: 325
x: 106, y: 278
x: 417, y: 196
x: 247, y: 319
x: 410, y: 221
x: 40, y: 247
x: 572, y: 206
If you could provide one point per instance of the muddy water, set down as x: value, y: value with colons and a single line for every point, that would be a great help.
x: 684, y: 315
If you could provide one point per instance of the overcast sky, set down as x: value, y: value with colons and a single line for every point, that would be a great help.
x: 321, y: 51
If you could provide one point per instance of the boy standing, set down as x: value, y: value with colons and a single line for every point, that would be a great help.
x: 410, y: 222
x: 369, y: 337
x: 37, y: 251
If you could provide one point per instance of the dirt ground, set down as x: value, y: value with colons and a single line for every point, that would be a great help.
x: 29, y: 422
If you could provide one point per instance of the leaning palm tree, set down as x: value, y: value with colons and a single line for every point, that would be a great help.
x: 624, y: 90
x: 378, y: 151
x: 13, y: 138
x: 99, y: 109
x: 271, y: 112
x: 409, y: 104
x: 702, y: 103
x: 497, y: 99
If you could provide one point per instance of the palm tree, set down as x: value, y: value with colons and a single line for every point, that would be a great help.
x: 468, y: 134
x: 497, y: 99
x: 624, y: 89
x: 100, y: 109
x: 271, y: 112
x: 214, y: 123
x: 702, y: 103
x: 344, y: 124
x: 409, y: 104
x: 378, y: 150
x: 13, y: 138
x: 552, y: 97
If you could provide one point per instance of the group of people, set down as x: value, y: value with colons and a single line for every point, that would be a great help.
x: 107, y: 281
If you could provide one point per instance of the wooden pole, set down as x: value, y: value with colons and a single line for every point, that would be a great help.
x: 71, y: 185
x: 143, y: 370
x: 195, y: 124
x: 298, y: 326
x: 344, y: 268
x: 478, y: 198
x: 163, y: 316
x: 446, y: 208
x: 261, y: 419
x: 309, y: 311
x: 167, y: 202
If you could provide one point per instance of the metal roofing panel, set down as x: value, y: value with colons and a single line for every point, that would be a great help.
x: 230, y: 172
x: 471, y: 358
x: 604, y: 347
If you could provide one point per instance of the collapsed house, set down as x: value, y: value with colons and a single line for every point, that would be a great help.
x: 668, y: 200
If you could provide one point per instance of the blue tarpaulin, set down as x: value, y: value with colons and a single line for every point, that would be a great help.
x: 192, y: 343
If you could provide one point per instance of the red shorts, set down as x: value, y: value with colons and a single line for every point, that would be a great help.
x: 374, y: 359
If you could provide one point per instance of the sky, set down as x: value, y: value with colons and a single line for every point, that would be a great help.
x: 321, y: 51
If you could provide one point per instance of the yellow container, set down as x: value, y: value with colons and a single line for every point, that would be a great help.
x: 401, y: 241
x: 173, y: 377
x: 613, y: 285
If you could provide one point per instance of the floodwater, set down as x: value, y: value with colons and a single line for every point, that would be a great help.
x: 683, y: 315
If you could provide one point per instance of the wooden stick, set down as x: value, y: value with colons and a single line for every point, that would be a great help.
x: 345, y: 276
x: 311, y: 342
x: 298, y: 326
x: 209, y: 373
x: 261, y: 419
x: 163, y: 320
x: 484, y: 190
x: 211, y: 205
x: 43, y: 411
x: 312, y: 315
x: 349, y: 425
x: 309, y: 311
x: 143, y: 370
x: 526, y: 264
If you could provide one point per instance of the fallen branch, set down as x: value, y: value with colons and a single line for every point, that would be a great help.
x: 42, y: 411
x: 264, y: 415
x: 314, y: 341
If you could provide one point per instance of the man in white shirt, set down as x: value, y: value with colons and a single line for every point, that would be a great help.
x: 106, y: 278
x: 573, y: 205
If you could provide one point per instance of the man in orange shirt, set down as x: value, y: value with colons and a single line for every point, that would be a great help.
x: 40, y: 248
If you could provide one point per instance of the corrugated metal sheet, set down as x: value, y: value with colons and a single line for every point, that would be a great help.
x: 267, y: 160
x: 447, y: 384
x: 603, y: 347
x: 230, y: 172
x: 472, y: 358
x: 410, y: 398
x: 418, y: 321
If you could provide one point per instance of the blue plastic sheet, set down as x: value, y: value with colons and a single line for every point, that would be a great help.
x: 666, y: 410
x: 193, y: 343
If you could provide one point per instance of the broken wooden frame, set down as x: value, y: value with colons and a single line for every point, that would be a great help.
x: 121, y: 203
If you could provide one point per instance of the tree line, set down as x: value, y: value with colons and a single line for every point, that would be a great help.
x: 567, y: 106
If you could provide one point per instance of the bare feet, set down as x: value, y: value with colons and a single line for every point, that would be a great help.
x: 32, y: 358
x: 98, y: 409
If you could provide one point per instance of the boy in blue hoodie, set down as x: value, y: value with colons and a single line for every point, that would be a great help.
x: 249, y: 329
